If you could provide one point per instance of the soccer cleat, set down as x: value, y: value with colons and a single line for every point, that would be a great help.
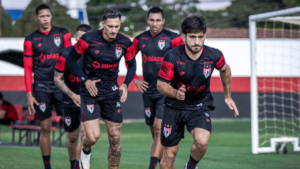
x: 185, y: 166
x: 85, y: 160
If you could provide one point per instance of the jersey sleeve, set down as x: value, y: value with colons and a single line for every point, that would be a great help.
x: 166, y: 72
x: 60, y: 65
x: 220, y: 62
x: 134, y: 49
x: 81, y: 46
x: 28, y: 64
x: 67, y: 38
x: 177, y: 41
x: 129, y: 55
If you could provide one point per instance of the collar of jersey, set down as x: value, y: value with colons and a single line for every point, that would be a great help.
x: 46, y: 33
x: 189, y: 57
x: 153, y: 35
x: 104, y: 38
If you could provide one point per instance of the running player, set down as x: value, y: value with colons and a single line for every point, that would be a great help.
x: 102, y: 51
x: 41, y: 50
x: 184, y: 78
x: 154, y: 44
x: 70, y: 85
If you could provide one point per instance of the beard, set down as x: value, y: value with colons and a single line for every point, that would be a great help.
x: 191, y: 49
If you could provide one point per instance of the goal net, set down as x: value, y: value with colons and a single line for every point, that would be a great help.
x: 275, y: 79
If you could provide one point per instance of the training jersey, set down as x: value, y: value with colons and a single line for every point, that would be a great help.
x: 101, y: 60
x: 41, y: 50
x: 70, y: 80
x: 153, y: 49
x: 11, y: 112
x: 178, y: 69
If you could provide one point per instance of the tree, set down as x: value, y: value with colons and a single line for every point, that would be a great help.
x: 6, y: 24
x: 132, y: 14
x: 27, y: 23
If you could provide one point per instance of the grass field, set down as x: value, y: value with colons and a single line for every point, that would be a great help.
x: 229, y: 148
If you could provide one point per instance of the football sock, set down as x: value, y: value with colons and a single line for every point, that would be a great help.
x: 72, y: 164
x: 153, y: 162
x: 192, y: 163
x: 76, y: 166
x: 87, y: 152
x: 46, y: 160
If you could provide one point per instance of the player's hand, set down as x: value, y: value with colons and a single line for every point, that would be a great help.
x: 76, y: 99
x: 180, y: 94
x: 231, y: 104
x: 91, y: 87
x: 124, y: 91
x: 141, y: 84
x: 31, y: 100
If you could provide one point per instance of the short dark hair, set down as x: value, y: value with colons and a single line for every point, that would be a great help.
x: 84, y: 28
x: 155, y: 10
x: 193, y: 24
x: 40, y: 7
x: 111, y: 13
x: 1, y: 96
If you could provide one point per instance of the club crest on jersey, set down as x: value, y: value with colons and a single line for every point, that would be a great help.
x: 148, y: 112
x: 161, y: 43
x: 119, y: 50
x: 42, y: 106
x: 68, y: 121
x: 90, y: 107
x: 206, y: 70
x: 57, y: 40
x: 167, y: 130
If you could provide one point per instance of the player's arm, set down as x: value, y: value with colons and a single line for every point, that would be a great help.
x: 165, y: 75
x: 28, y: 65
x: 3, y: 111
x: 58, y: 80
x: 67, y: 38
x: 177, y: 41
x: 131, y: 65
x: 77, y: 51
x: 225, y: 74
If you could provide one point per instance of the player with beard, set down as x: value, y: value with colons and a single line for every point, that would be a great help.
x: 102, y: 51
x: 70, y: 85
x: 41, y: 50
x: 154, y: 44
x: 184, y: 78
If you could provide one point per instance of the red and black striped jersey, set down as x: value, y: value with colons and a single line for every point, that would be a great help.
x: 153, y: 49
x: 41, y: 50
x: 70, y: 80
x: 101, y: 60
x: 178, y: 69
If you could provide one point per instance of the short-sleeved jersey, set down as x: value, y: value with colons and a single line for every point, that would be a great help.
x: 153, y: 48
x: 101, y: 60
x: 179, y: 69
x: 41, y: 50
x: 70, y: 80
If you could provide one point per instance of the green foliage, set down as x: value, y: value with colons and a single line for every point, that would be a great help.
x: 6, y: 24
x: 26, y: 24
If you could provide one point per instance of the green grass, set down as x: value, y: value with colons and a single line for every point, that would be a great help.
x: 229, y: 148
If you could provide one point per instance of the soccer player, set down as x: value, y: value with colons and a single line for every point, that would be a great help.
x: 102, y: 51
x: 154, y: 44
x: 41, y: 50
x: 8, y: 112
x: 184, y: 78
x: 70, y: 85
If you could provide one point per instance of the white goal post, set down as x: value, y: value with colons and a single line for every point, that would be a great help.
x: 287, y: 16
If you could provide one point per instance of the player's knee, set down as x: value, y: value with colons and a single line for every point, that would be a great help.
x: 169, y: 155
x: 115, y: 140
x: 201, y: 143
x: 73, y: 138
x: 45, y: 128
x: 157, y: 130
x: 93, y: 138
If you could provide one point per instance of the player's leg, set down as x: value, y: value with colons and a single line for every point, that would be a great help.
x: 149, y: 115
x: 172, y: 130
x: 79, y: 146
x: 90, y: 117
x: 200, y: 126
x: 71, y: 125
x: 43, y: 114
x: 156, y: 147
x: 113, y: 116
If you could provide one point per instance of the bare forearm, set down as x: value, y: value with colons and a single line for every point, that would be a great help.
x: 2, y: 114
x: 226, y: 81
x: 166, y: 89
x: 61, y: 84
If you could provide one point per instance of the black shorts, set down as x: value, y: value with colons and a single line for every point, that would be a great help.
x: 46, y: 100
x: 107, y: 108
x: 71, y: 118
x: 172, y: 126
x: 153, y: 108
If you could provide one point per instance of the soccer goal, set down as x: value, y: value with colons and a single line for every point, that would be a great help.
x: 275, y: 80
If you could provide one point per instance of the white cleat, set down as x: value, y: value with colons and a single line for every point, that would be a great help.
x: 84, y: 160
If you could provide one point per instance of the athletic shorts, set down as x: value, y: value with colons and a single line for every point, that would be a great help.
x: 46, y: 100
x: 174, y: 120
x: 153, y: 108
x: 71, y: 118
x: 107, y: 108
